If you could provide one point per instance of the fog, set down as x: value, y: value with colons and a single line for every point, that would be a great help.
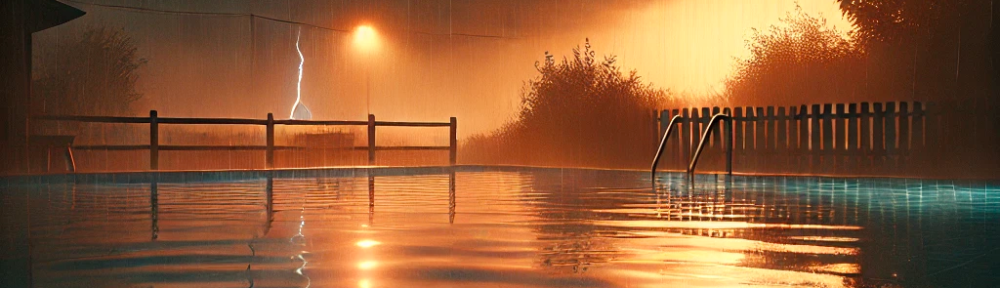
x: 435, y: 59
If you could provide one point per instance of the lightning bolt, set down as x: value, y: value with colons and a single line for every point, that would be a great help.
x: 298, y: 106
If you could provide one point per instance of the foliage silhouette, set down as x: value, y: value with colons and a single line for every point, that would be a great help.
x: 937, y: 51
x: 797, y: 62
x: 898, y: 20
x: 576, y: 112
x: 95, y: 74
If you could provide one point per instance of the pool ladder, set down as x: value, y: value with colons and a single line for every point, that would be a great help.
x: 704, y: 137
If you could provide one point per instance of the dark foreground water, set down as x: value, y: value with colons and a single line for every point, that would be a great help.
x: 493, y: 228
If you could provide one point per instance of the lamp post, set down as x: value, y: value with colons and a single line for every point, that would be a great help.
x: 366, y: 41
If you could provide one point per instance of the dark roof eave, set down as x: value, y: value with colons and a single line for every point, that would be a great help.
x: 50, y: 13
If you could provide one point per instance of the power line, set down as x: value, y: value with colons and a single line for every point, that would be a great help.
x: 155, y: 11
x: 216, y: 14
x: 252, y: 15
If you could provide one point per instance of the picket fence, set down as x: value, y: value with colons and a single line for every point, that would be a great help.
x: 844, y: 138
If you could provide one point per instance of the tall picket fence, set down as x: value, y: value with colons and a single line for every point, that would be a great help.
x: 843, y: 139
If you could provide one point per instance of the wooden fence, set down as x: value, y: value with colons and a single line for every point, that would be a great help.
x: 855, y: 138
x: 269, y: 123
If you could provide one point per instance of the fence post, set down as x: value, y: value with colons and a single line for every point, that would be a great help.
x: 685, y: 135
x: 716, y: 140
x: 852, y: 128
x: 815, y: 147
x: 674, y: 145
x: 371, y: 139
x: 839, y: 137
x: 865, y: 146
x: 878, y: 136
x: 749, y: 139
x: 760, y: 139
x: 453, y: 148
x: 661, y: 124
x: 804, y: 130
x: 696, y: 130
x: 663, y: 121
x: 827, y: 118
x: 154, y: 141
x: 891, y: 149
x: 851, y: 152
x: 781, y: 147
x: 270, y: 140
x: 918, y: 126
x: 770, y: 139
x: 727, y: 136
x: 904, y: 128
x: 793, y: 139
x: 902, y: 161
x: 890, y: 128
x: 738, y: 133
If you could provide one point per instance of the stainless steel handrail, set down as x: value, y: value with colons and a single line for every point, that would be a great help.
x: 704, y: 137
x: 663, y: 143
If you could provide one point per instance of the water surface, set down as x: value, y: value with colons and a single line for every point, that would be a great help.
x: 503, y: 228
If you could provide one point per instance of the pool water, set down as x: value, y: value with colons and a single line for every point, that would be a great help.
x: 500, y: 227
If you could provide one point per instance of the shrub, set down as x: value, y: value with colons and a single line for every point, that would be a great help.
x: 799, y: 62
x: 94, y: 74
x: 576, y: 112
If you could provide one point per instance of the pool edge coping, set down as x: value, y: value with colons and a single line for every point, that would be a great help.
x: 178, y: 176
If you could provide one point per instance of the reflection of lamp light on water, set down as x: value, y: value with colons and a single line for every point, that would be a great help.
x: 367, y: 243
x: 366, y: 265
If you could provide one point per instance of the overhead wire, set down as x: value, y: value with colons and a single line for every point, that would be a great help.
x: 268, y: 18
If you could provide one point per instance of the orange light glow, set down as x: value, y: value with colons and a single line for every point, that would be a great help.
x: 367, y: 265
x: 365, y: 38
x: 367, y: 243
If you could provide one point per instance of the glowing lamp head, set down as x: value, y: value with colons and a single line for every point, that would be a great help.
x: 365, y: 38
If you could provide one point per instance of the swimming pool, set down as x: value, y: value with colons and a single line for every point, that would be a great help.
x: 495, y: 227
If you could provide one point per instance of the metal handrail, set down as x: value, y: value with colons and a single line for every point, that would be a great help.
x: 704, y: 137
x: 663, y: 143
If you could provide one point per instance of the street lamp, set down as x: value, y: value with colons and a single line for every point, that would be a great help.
x: 365, y: 38
x: 366, y: 41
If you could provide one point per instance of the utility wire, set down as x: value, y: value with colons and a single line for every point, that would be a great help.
x: 155, y: 11
x: 252, y: 15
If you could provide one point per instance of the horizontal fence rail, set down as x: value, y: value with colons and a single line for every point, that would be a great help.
x: 244, y: 147
x: 820, y: 138
x: 154, y: 144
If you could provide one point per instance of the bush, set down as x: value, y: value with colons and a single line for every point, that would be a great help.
x: 799, y: 62
x: 94, y: 74
x: 577, y: 112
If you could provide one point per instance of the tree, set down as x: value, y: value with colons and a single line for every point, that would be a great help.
x: 898, y: 20
x: 941, y: 45
x: 577, y: 112
x: 95, y: 74
x: 942, y: 48
x: 798, y: 62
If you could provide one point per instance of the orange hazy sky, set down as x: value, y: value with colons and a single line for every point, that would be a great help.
x: 690, y: 45
x: 206, y: 66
